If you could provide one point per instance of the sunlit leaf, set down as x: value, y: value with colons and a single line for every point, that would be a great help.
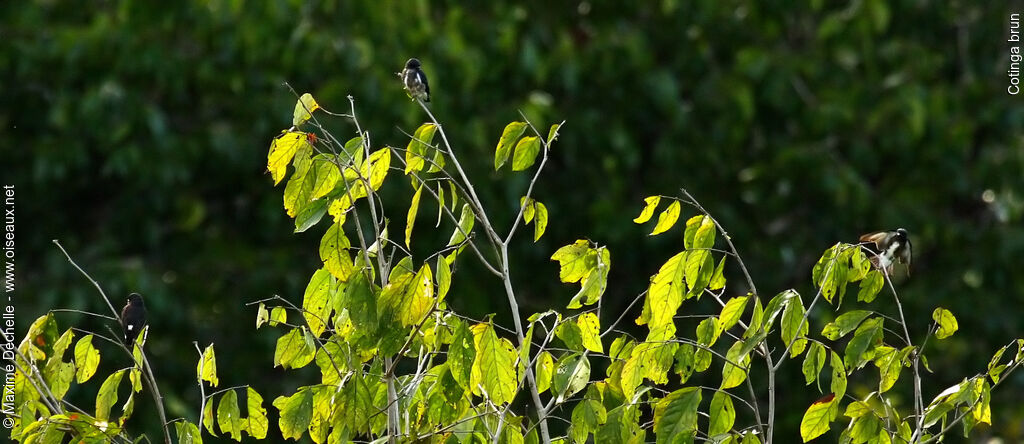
x: 256, y: 423
x: 206, y: 369
x: 722, y: 412
x: 416, y: 151
x: 732, y: 311
x: 107, y: 396
x: 508, y: 139
x: 572, y: 375
x: 296, y: 412
x: 282, y: 150
x: 818, y: 416
x: 304, y: 109
x: 526, y: 153
x: 464, y: 227
x: 648, y: 211
x: 87, y: 358
x: 228, y: 415
x: 667, y: 218
x: 590, y: 331
x: 946, y: 322
x: 316, y: 307
x: 545, y: 368
x: 675, y: 415
x: 410, y: 217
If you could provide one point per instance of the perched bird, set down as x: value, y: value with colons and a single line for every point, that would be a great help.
x: 133, y: 318
x: 889, y: 247
x: 415, y: 81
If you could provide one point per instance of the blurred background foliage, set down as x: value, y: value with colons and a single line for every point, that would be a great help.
x: 137, y: 133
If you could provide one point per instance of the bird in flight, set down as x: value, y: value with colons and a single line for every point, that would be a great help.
x: 889, y: 247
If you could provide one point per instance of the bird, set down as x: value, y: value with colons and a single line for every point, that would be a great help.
x: 133, y: 318
x: 415, y: 81
x: 888, y: 248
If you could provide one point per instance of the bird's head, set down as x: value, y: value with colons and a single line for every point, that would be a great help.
x: 901, y: 233
x: 135, y: 299
x: 413, y: 63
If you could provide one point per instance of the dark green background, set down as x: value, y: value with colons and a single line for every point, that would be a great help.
x: 137, y: 134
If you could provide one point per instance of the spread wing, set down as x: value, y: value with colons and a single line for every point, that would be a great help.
x: 875, y: 237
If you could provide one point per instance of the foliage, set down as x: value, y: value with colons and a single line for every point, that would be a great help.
x: 397, y: 363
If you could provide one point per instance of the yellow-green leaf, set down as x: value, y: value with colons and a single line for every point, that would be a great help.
x: 648, y: 211
x: 732, y: 311
x: 206, y: 368
x: 256, y: 422
x: 545, y: 368
x: 675, y: 416
x: 495, y: 363
x: 296, y: 412
x: 541, y: 222
x: 817, y: 418
x: 107, y: 396
x: 410, y: 218
x: 304, y: 109
x: 278, y: 315
x: 590, y: 332
x: 734, y: 371
x: 228, y: 416
x: 334, y: 253
x: 508, y: 138
x: 87, y: 358
x: 722, y: 413
x: 946, y: 322
x: 416, y: 151
x: 316, y: 307
x: 667, y: 218
x: 465, y: 226
x: 526, y: 153
x: 282, y: 150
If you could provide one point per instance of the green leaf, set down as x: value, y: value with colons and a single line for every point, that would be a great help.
x: 722, y: 413
x: 844, y: 324
x: 188, y: 433
x: 732, y: 311
x: 572, y: 375
x: 355, y: 406
x: 495, y: 362
x: 206, y: 369
x: 708, y: 331
x: 867, y: 336
x: 278, y: 315
x: 87, y: 358
x: 465, y: 226
x: 590, y: 331
x: 410, y: 218
x: 310, y: 215
x: 526, y: 153
x: 665, y: 294
x: 544, y: 368
x: 107, y: 396
x: 416, y: 151
x: 587, y: 417
x: 256, y: 424
x: 718, y: 277
x: 509, y: 137
x: 794, y: 326
x: 817, y: 418
x: 571, y: 334
x: 870, y: 286
x: 838, y: 376
x: 774, y: 307
x: 228, y: 415
x: 326, y: 177
x: 889, y: 362
x: 208, y: 417
x: 814, y: 361
x: 553, y: 133
x: 316, y: 307
x: 541, y: 223
x: 292, y: 350
x: 648, y: 211
x: 444, y: 278
x: 418, y: 298
x: 575, y: 261
x: 675, y: 415
x: 461, y: 354
x: 596, y: 279
x: 865, y: 429
x: 946, y: 322
x: 304, y: 109
x: 733, y: 375
x: 667, y: 218
x: 334, y: 253
x: 296, y: 413
x: 361, y: 304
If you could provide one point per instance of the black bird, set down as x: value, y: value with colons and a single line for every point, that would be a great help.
x: 415, y: 81
x: 133, y: 318
x: 889, y: 247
